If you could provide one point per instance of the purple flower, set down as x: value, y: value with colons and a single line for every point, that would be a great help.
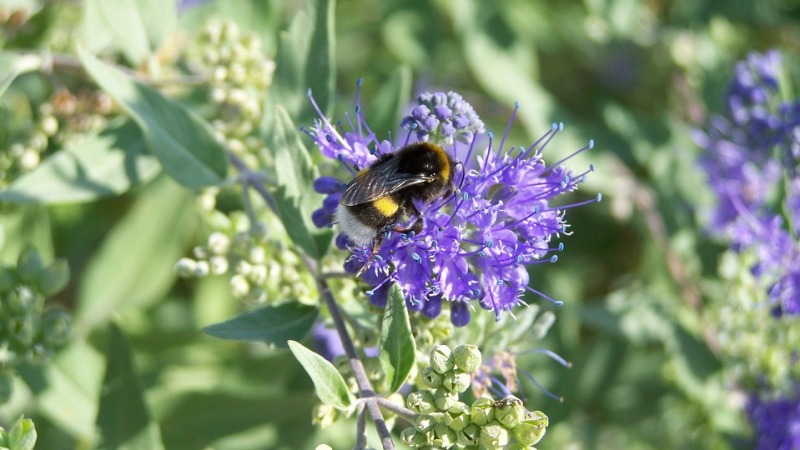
x: 327, y: 341
x: 475, y: 245
x: 750, y: 156
x: 776, y: 423
x: 446, y: 117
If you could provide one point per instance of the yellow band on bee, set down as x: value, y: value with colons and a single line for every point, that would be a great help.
x: 444, y: 161
x: 386, y: 205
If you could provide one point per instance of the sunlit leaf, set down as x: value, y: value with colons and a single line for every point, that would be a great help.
x: 183, y: 143
x: 328, y: 382
x: 397, y: 346
x: 92, y: 167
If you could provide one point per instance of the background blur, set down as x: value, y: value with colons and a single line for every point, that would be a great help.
x: 636, y: 77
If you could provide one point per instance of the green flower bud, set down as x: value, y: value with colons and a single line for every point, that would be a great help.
x: 186, y: 267
x: 482, y: 411
x: 23, y: 331
x: 21, y: 300
x: 54, y: 278
x: 426, y: 422
x: 430, y: 378
x: 457, y: 417
x: 509, y: 411
x: 494, y: 435
x: 219, y: 243
x: 443, y: 436
x: 421, y: 402
x: 467, y: 357
x: 49, y: 125
x: 6, y: 386
x: 56, y: 326
x: 29, y: 264
x: 202, y: 269
x: 218, y: 265
x: 468, y: 437
x: 444, y: 400
x: 324, y: 415
x: 22, y: 435
x: 239, y: 286
x: 414, y: 438
x: 456, y: 381
x: 530, y: 432
x: 256, y: 255
x: 441, y: 360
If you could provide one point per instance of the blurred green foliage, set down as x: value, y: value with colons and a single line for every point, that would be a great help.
x: 634, y: 76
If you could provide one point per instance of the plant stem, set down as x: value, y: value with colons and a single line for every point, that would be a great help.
x: 366, y: 391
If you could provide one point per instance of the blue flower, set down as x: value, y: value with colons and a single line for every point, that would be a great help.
x: 751, y: 154
x: 475, y: 245
x: 776, y: 422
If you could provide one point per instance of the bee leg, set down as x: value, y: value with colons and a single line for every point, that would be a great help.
x: 375, y: 248
x: 417, y: 226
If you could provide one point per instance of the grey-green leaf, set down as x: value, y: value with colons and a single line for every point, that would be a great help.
x: 397, y: 346
x: 295, y: 198
x: 123, y: 420
x: 13, y: 65
x: 92, y: 167
x: 135, y: 264
x: 135, y: 27
x: 305, y: 61
x: 182, y: 141
x: 387, y: 108
x: 271, y: 324
x: 329, y: 385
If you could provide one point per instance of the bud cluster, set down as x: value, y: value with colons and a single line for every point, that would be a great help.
x: 239, y: 75
x: 28, y: 333
x: 446, y: 422
x: 261, y: 269
x: 55, y: 122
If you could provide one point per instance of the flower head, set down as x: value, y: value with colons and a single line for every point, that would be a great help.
x: 751, y: 155
x: 474, y: 245
x: 776, y: 422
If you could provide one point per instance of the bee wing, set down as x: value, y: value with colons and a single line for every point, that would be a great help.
x: 378, y: 181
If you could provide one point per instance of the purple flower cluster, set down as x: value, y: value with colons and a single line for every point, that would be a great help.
x: 776, y: 422
x: 445, y: 117
x: 476, y: 244
x: 751, y: 158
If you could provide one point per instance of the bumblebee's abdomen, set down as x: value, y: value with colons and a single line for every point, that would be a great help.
x: 361, y: 223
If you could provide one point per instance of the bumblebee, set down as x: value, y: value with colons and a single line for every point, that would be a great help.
x: 382, y: 195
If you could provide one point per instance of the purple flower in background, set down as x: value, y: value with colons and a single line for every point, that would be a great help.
x: 476, y: 244
x: 327, y: 341
x: 751, y: 155
x: 776, y: 423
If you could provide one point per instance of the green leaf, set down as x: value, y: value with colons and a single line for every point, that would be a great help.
x: 386, y: 111
x: 305, y: 60
x: 270, y: 324
x: 135, y: 264
x: 397, y: 346
x: 22, y: 225
x: 66, y: 390
x: 92, y: 167
x: 328, y: 382
x: 182, y: 141
x: 123, y: 420
x: 13, y: 65
x: 135, y: 27
x: 295, y: 198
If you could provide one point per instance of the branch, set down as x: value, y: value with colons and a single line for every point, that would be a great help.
x: 366, y: 391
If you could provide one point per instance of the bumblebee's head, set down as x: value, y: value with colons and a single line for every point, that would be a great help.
x: 432, y: 162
